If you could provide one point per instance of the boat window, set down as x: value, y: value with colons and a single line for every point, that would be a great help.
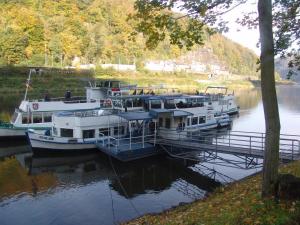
x: 116, y: 130
x: 155, y: 104
x: 168, y: 123
x: 88, y: 134
x: 137, y: 102
x: 160, y: 121
x: 66, y: 132
x: 188, y: 121
x: 181, y: 103
x: 26, y: 119
x: 128, y: 103
x: 201, y: 119
x: 37, y: 118
x: 194, y: 120
x: 104, y: 131
x: 47, y: 117
x: 119, y: 130
x: 170, y: 104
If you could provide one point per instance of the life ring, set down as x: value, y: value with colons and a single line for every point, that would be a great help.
x: 35, y: 106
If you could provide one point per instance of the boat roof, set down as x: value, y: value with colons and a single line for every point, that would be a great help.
x: 130, y: 96
x: 135, y: 115
x: 170, y: 97
x: 176, y: 113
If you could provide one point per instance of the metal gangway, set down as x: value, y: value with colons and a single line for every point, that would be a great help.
x: 197, y: 146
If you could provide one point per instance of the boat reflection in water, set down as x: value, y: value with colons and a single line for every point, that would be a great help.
x: 96, y: 187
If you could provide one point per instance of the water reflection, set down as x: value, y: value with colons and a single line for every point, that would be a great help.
x: 151, y: 185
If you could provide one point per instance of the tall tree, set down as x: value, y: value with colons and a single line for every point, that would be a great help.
x: 272, y: 122
x: 154, y: 19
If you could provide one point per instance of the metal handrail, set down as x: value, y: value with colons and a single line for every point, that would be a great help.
x: 253, y: 142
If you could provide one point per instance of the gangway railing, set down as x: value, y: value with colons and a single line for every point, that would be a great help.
x: 234, y: 142
x: 125, y: 143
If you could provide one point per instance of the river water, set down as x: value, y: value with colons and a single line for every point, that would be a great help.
x: 92, y: 189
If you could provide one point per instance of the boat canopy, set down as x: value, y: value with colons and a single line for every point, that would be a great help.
x: 135, y: 115
x: 175, y: 113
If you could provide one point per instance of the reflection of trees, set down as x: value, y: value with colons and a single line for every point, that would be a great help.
x: 288, y: 96
x: 8, y: 104
x: 248, y: 98
x: 14, y: 179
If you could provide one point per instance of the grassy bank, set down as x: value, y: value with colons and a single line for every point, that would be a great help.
x: 13, y: 80
x: 238, y: 203
x: 185, y: 82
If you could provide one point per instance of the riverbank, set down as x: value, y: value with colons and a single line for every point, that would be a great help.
x: 237, y: 203
x: 13, y: 80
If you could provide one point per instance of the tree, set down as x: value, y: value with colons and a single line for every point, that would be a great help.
x: 155, y: 20
x: 272, y: 122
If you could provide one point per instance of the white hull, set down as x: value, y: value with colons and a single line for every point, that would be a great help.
x: 202, y: 127
x: 38, y: 141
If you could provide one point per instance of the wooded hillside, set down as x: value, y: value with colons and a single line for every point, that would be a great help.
x: 52, y: 33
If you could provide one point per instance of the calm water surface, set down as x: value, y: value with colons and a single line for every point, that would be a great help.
x: 92, y: 189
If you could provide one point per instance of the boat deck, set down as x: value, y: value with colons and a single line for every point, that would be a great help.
x: 125, y: 151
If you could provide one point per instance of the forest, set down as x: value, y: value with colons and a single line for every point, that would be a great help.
x: 52, y: 33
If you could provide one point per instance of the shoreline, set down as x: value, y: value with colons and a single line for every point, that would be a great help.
x: 237, y: 203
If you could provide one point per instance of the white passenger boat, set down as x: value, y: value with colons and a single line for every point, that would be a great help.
x: 37, y: 114
x: 83, y: 130
x: 77, y: 130
x: 111, y: 131
x: 201, y: 116
x: 221, y: 100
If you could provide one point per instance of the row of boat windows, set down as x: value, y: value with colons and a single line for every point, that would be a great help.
x: 64, y: 132
x: 195, y: 120
x: 37, y: 118
x: 157, y: 104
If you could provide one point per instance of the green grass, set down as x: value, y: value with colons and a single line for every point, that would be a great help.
x: 14, y: 80
x: 237, y: 204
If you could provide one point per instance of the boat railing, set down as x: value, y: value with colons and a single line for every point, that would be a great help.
x: 75, y: 99
x: 127, y: 143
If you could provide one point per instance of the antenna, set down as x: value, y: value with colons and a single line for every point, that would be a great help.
x: 28, y: 83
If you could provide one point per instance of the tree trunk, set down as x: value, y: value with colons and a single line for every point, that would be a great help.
x: 272, y: 122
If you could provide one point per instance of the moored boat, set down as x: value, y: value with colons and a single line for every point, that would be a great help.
x: 221, y: 100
